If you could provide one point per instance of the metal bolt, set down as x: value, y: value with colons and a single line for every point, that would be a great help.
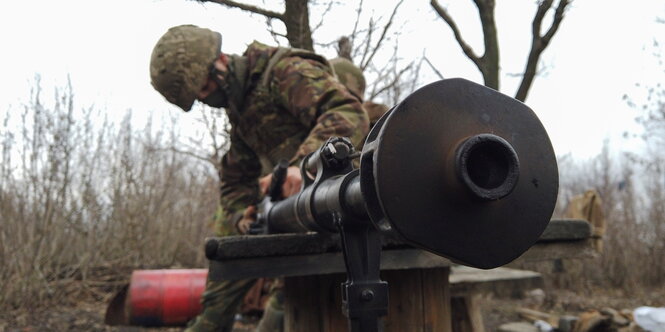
x: 367, y: 295
x: 340, y: 150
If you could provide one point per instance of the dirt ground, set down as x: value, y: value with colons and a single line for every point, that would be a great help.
x: 497, y: 311
x: 89, y: 315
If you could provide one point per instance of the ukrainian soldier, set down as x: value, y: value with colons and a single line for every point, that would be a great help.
x: 282, y: 104
x: 352, y: 77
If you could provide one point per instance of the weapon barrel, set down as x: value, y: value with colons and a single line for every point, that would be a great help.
x: 314, y: 208
x: 282, y: 217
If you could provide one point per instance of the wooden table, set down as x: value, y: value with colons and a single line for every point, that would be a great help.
x: 419, y: 287
x: 468, y: 285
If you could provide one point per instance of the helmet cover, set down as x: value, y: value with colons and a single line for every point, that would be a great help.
x: 350, y: 75
x: 181, y: 62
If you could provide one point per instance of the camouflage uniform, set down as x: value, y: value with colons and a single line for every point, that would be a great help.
x: 352, y: 77
x: 283, y: 104
x: 285, y: 113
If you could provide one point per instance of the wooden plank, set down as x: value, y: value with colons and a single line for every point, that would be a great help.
x: 251, y: 246
x: 566, y: 230
x: 328, y: 263
x: 419, y: 302
x: 279, y: 266
x: 554, y: 250
x: 331, y: 303
x: 466, y: 314
x: 301, y: 305
x: 231, y: 247
x: 436, y: 300
x: 500, y: 281
x: 405, y: 307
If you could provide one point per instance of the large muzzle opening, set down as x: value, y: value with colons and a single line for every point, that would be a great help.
x: 488, y: 166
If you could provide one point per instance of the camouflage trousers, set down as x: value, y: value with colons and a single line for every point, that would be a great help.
x: 221, y: 301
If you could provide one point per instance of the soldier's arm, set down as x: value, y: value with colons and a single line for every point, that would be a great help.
x: 310, y: 92
x: 239, y: 184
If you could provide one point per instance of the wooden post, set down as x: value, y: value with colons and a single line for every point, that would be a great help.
x: 419, y: 302
x: 466, y: 314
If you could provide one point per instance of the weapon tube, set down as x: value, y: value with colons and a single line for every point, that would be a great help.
x: 456, y: 168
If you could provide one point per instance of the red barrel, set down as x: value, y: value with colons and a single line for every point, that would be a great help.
x: 164, y: 297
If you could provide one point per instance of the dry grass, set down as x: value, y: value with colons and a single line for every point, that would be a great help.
x: 84, y: 199
x: 633, y: 197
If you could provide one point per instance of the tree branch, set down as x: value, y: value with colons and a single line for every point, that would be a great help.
x: 436, y: 71
x: 249, y: 8
x: 558, y: 17
x: 458, y: 36
x: 537, y: 22
x: 274, y: 34
x: 323, y: 15
x: 539, y: 43
x: 363, y: 66
x: 190, y: 154
x: 355, y: 25
x: 368, y: 41
x: 490, y: 59
x: 392, y: 83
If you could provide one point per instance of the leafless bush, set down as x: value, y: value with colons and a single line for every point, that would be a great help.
x: 83, y: 198
x: 633, y: 199
x: 390, y: 79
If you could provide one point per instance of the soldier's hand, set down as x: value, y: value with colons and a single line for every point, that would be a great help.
x: 248, y: 217
x: 291, y: 185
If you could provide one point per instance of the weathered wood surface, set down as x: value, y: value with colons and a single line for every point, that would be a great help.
x: 466, y: 313
x: 543, y: 251
x: 566, y: 230
x: 500, y: 281
x: 311, y: 253
x: 326, y: 263
x: 518, y: 327
x: 468, y: 285
x: 234, y: 247
x: 419, y: 302
x: 395, y: 259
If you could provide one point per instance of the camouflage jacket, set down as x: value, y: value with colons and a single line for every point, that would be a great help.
x: 284, y: 105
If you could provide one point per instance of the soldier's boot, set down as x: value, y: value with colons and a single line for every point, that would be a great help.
x: 271, y: 321
x: 221, y: 301
x: 273, y: 315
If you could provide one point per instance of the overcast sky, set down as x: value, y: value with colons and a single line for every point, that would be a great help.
x: 601, y: 51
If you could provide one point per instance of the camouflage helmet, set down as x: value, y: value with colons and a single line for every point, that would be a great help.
x: 350, y: 75
x: 180, y: 63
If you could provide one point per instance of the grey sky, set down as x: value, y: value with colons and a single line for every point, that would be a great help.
x: 602, y: 49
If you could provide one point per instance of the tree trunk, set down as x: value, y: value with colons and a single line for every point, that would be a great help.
x: 296, y: 19
x: 490, y: 60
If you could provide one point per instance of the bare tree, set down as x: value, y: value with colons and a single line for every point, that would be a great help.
x: 391, y: 79
x: 488, y: 63
x: 295, y: 17
x: 211, y: 144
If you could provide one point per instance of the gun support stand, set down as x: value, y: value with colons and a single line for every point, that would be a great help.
x: 364, y: 295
